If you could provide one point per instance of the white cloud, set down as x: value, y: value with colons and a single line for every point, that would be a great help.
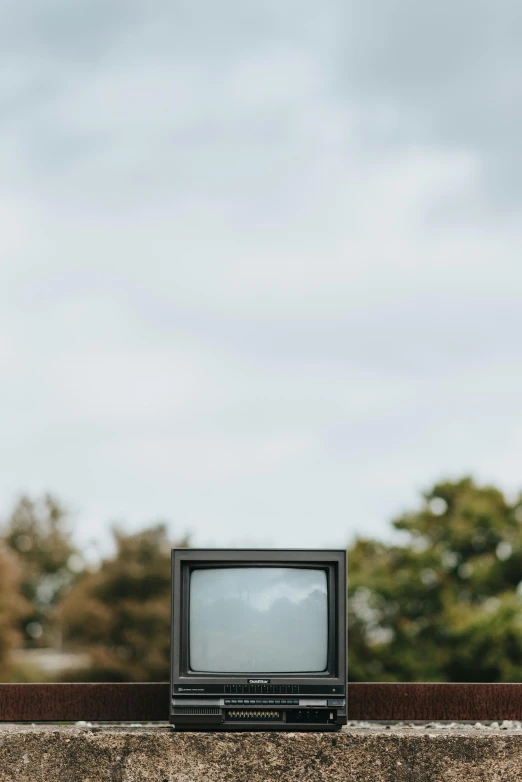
x: 238, y: 290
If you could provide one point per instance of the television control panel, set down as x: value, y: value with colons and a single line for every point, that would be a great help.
x: 260, y: 689
x: 259, y: 707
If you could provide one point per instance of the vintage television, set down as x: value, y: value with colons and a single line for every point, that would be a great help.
x: 258, y: 639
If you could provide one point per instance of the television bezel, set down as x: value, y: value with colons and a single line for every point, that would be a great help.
x: 186, y: 560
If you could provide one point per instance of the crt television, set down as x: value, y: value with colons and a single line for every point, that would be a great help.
x: 258, y: 639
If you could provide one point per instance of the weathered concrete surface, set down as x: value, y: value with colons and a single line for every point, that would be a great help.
x: 52, y: 753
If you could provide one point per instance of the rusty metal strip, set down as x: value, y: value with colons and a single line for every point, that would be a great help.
x: 149, y: 702
x: 72, y: 702
x: 426, y: 702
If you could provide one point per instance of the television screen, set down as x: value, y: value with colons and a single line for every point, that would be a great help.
x: 258, y: 620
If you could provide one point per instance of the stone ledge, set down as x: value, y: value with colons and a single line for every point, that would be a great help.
x: 375, y: 753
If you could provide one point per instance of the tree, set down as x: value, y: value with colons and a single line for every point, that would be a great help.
x: 37, y: 533
x: 120, y: 614
x: 446, y: 605
x: 12, y: 609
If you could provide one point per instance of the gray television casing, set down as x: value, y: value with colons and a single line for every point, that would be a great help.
x: 258, y: 701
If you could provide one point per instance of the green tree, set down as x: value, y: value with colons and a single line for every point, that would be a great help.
x: 37, y: 532
x: 12, y: 608
x: 120, y: 613
x: 445, y: 605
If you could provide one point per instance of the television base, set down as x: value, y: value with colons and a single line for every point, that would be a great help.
x: 308, y: 719
x: 256, y: 728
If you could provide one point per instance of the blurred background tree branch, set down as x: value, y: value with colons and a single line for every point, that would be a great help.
x: 444, y: 605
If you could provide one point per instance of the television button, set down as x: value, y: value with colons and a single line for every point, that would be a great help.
x: 270, y: 688
x: 227, y: 687
x: 227, y: 701
x: 335, y: 702
x: 295, y: 688
x: 233, y: 688
x: 240, y: 701
x: 295, y: 702
x: 271, y: 703
x: 264, y: 702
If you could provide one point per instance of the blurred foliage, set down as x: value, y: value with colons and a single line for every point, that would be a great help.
x: 446, y: 605
x: 37, y: 533
x: 12, y: 609
x: 441, y: 603
x: 120, y: 614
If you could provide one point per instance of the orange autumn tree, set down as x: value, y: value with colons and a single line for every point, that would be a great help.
x: 12, y: 608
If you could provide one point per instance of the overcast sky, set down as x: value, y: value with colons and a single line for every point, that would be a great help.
x: 260, y: 262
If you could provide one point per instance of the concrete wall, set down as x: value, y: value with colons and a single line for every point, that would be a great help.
x: 52, y: 753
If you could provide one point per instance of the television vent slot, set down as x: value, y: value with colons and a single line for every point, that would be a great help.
x: 179, y: 710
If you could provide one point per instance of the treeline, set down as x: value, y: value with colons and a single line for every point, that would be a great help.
x: 443, y: 604
x: 116, y: 613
